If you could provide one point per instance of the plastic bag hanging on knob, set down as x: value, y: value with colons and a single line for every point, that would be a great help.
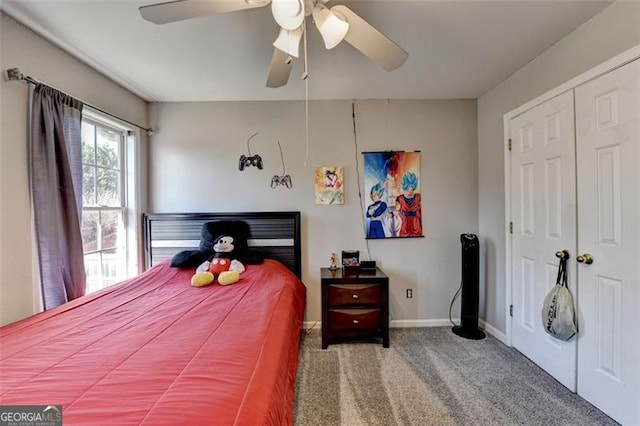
x: 558, y: 312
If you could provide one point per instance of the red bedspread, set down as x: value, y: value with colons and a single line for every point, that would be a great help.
x: 156, y: 350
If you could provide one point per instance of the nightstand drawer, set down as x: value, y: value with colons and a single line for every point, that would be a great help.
x: 349, y: 319
x: 350, y: 294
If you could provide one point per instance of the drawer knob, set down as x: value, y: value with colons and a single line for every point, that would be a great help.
x: 355, y: 296
x: 356, y: 322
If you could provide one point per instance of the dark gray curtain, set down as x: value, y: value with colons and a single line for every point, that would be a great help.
x: 56, y: 187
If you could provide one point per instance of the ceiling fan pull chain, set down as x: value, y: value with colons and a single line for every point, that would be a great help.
x: 305, y: 76
x: 305, y: 73
x: 306, y: 120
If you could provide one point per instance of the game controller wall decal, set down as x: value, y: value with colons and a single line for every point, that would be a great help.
x: 254, y: 160
x: 250, y: 160
x: 284, y: 179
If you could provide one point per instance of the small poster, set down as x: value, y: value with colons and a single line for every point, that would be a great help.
x: 392, y: 183
x: 330, y: 185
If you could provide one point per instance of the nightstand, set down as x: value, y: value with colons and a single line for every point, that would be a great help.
x: 355, y: 305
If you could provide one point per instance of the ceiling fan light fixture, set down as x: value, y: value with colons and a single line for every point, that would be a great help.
x: 289, y: 14
x: 331, y: 27
x: 289, y: 41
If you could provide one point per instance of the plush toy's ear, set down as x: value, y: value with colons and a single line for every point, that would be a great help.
x: 239, y: 230
x: 189, y: 258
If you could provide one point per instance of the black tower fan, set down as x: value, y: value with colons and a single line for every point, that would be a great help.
x: 470, y: 295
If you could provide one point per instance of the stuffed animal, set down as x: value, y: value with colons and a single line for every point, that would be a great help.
x: 222, y: 264
x: 222, y: 253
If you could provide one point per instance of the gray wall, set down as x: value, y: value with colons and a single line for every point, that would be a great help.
x: 194, y: 164
x: 613, y: 31
x: 20, y: 47
x: 194, y: 167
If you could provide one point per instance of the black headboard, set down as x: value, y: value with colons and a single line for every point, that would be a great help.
x: 275, y: 234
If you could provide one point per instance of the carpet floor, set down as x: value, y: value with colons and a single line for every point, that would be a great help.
x: 430, y: 376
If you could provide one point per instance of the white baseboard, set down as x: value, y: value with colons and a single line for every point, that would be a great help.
x: 493, y: 331
x: 421, y: 323
x: 308, y: 325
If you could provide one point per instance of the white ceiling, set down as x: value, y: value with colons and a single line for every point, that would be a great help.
x: 457, y: 49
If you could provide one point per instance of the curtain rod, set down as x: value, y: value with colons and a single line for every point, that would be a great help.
x: 14, y: 74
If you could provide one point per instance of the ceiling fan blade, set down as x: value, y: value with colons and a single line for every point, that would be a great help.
x: 163, y: 13
x: 371, y: 42
x: 280, y: 69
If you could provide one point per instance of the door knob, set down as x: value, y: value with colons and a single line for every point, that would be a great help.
x: 563, y: 254
x: 585, y: 258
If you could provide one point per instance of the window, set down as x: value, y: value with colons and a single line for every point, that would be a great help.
x: 106, y: 206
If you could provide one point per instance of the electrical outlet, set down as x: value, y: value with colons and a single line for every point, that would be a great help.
x: 409, y: 293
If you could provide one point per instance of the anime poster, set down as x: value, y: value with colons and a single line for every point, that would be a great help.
x: 329, y: 185
x: 393, y: 191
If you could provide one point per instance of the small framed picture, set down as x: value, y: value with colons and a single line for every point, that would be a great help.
x: 329, y: 185
x: 350, y: 258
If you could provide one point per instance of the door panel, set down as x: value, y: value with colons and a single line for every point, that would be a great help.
x: 608, y: 163
x: 544, y: 217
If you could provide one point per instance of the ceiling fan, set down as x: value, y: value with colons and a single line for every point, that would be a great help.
x: 334, y: 24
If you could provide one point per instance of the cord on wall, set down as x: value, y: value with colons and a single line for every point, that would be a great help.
x: 355, y: 144
x: 386, y: 141
x: 249, y: 140
x: 284, y: 170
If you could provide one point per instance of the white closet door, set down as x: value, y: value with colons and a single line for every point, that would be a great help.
x: 608, y: 166
x: 543, y: 211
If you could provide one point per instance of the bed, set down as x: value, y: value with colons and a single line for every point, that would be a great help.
x: 155, y: 350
